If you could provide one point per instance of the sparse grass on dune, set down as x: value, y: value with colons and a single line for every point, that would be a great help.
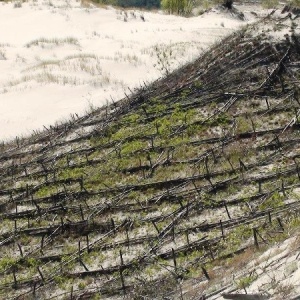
x: 72, y: 63
x: 43, y: 42
x: 59, y: 72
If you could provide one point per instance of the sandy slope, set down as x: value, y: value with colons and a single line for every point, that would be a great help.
x: 274, y: 274
x: 58, y: 57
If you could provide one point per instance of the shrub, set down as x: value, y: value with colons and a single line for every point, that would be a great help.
x: 179, y: 7
x: 245, y: 282
x: 295, y: 3
x: 17, y: 4
x: 7, y: 262
x: 276, y: 200
x: 269, y: 3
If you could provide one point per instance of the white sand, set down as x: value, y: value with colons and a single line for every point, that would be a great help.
x: 84, y: 56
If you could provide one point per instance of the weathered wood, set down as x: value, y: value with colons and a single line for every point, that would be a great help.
x: 227, y: 211
x: 81, y: 212
x: 174, y: 260
x: 113, y: 225
x: 155, y: 227
x: 20, y: 249
x: 121, y: 258
x: 41, y: 274
x: 205, y: 272
x: 280, y: 223
x: 87, y: 243
x: 15, y: 278
x: 83, y: 264
x: 269, y: 217
x: 255, y: 237
x: 244, y: 296
x: 187, y: 237
x: 122, y: 281
x: 71, y: 293
x: 222, y: 229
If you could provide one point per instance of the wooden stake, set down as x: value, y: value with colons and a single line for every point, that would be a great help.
x: 298, y: 172
x: 107, y: 277
x: 27, y: 191
x: 187, y: 237
x: 150, y: 162
x: 86, y: 203
x: 210, y: 182
x: 155, y: 226
x: 25, y: 170
x: 157, y: 128
x: 228, y: 159
x: 20, y: 249
x: 79, y: 251
x: 41, y: 274
x: 187, y: 209
x: 81, y: 212
x: 34, y: 288
x: 205, y: 273
x: 180, y: 202
x: 87, y: 243
x: 122, y: 281
x: 81, y: 183
x: 121, y: 258
x: 143, y: 170
x: 277, y: 140
x: 42, y: 244
x: 267, y: 102
x: 194, y: 184
x: 37, y: 207
x: 71, y: 296
x: 127, y: 238
x: 227, y: 211
x: 269, y: 217
x: 222, y: 230
x: 83, y: 264
x: 253, y: 125
x: 168, y: 156
x: 174, y: 259
x: 280, y: 223
x: 173, y: 233
x: 242, y: 165
x: 15, y: 278
x: 282, y: 187
x: 152, y: 143
x: 62, y: 224
x: 259, y: 187
x: 255, y: 238
x: 113, y: 225
x: 121, y: 272
x: 206, y: 165
x: 145, y: 111
x: 214, y: 156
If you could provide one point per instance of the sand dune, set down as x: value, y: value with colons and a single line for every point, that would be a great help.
x: 59, y: 57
